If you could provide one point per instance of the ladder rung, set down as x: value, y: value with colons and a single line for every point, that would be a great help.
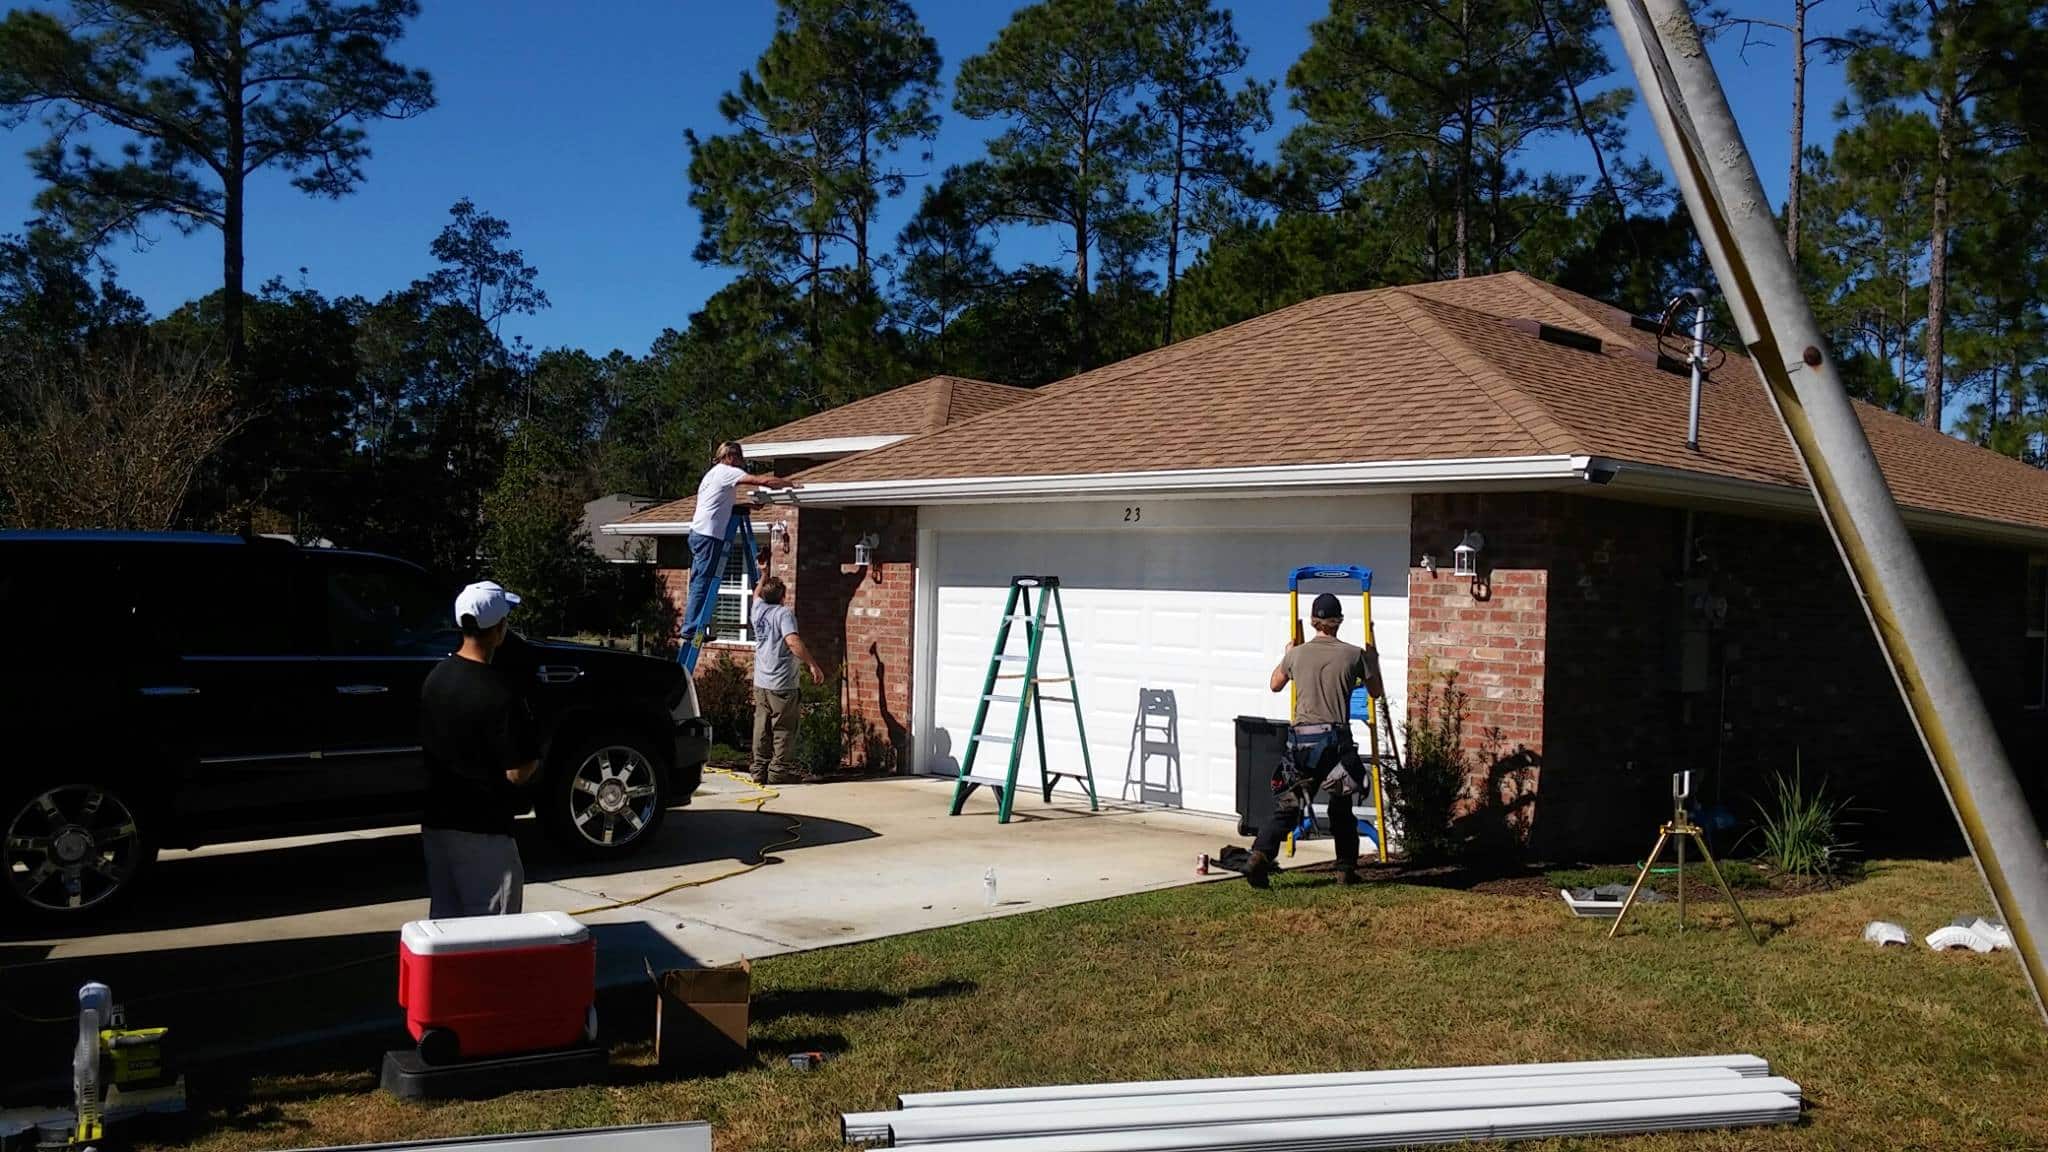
x: 1031, y: 619
x: 989, y: 781
x: 991, y: 738
x: 1005, y: 699
x: 1010, y: 676
x: 1052, y: 680
x: 1012, y: 657
x: 1057, y: 699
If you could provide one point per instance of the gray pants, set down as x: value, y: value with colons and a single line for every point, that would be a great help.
x: 472, y: 874
x: 775, y: 716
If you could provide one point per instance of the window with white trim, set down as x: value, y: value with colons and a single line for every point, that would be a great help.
x: 730, y: 620
x: 2037, y: 633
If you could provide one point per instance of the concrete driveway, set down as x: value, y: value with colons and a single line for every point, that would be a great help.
x: 284, y: 941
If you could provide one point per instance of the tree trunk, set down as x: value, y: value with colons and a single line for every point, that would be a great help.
x: 1937, y: 250
x: 232, y: 185
x: 1180, y: 136
x: 861, y: 212
x: 1083, y: 321
x: 1462, y: 181
x: 1795, y: 177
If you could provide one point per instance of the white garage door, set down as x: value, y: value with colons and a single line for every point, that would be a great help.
x: 1183, y: 599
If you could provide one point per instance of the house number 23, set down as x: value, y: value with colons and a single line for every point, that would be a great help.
x: 1133, y: 514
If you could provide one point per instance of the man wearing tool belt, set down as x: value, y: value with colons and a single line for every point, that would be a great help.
x: 1320, y: 751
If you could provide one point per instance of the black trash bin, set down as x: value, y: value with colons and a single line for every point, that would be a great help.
x: 1261, y: 743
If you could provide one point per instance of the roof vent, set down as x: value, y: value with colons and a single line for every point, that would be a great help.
x: 1568, y: 338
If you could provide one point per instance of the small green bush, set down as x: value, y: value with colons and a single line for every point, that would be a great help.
x: 725, y: 697
x: 1801, y: 830
x: 1423, y: 790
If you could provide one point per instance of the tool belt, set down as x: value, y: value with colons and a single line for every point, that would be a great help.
x: 1330, y: 744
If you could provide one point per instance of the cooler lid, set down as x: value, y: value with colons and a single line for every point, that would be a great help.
x: 491, y: 933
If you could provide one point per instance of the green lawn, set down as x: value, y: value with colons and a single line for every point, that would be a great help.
x: 1895, y: 1049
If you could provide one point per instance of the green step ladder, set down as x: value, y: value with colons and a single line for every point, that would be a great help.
x: 1030, y: 701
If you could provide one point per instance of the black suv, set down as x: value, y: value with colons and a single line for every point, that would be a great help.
x: 169, y: 690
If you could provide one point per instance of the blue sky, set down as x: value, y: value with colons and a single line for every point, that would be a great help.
x: 567, y: 120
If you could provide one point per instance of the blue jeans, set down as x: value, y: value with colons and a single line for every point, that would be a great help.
x: 705, y: 564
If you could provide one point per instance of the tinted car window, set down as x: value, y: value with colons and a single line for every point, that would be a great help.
x: 382, y: 608
x: 218, y: 600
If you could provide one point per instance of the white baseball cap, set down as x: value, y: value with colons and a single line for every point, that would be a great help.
x: 486, y: 601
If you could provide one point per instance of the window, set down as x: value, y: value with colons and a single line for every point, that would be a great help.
x: 730, y: 620
x: 2037, y: 634
x: 380, y: 608
x: 219, y: 600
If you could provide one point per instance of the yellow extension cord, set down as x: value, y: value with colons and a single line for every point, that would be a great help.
x: 762, y: 795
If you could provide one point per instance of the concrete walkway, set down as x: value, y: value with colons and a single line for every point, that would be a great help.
x: 261, y: 926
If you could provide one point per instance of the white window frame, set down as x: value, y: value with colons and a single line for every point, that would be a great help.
x: 2037, y: 630
x: 740, y: 587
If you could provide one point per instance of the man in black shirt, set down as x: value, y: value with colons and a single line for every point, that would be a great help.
x: 480, y: 748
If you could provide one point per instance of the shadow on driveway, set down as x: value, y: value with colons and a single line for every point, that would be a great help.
x: 187, y: 891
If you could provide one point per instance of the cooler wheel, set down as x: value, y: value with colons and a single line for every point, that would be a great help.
x: 590, y: 1025
x: 439, y: 1046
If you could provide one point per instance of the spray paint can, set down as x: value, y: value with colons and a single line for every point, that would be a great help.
x: 988, y: 888
x: 1202, y: 864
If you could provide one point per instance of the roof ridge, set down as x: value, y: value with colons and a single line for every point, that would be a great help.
x: 1054, y: 390
x: 1531, y: 286
x: 1528, y: 413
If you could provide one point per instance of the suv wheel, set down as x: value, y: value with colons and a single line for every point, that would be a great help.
x: 605, y: 798
x: 72, y: 849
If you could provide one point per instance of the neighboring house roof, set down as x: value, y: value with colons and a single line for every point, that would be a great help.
x: 929, y: 405
x: 1447, y: 381
x: 608, y: 509
x: 876, y: 421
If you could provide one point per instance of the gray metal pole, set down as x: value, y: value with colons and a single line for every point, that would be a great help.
x: 1741, y: 237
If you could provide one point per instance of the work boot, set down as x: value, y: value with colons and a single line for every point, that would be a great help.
x: 1259, y: 871
x: 1349, y: 876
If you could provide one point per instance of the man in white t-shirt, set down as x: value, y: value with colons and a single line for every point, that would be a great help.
x: 714, y: 512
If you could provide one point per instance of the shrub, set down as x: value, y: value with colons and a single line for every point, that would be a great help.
x: 820, y: 727
x: 1801, y: 831
x: 1423, y: 790
x: 725, y: 697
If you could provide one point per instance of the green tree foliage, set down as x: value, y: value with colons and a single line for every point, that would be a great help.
x: 1204, y: 114
x: 480, y: 271
x: 1064, y: 80
x: 534, y: 540
x: 945, y: 262
x: 1438, y: 103
x: 204, y: 94
x: 1862, y: 255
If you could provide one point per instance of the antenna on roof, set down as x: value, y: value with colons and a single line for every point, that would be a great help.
x: 1697, y: 297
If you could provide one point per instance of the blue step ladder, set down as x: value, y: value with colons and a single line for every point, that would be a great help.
x: 737, y: 531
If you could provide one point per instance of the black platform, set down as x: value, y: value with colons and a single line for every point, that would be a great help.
x: 408, y: 1077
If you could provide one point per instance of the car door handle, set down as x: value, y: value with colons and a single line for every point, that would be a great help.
x: 170, y: 690
x: 362, y: 689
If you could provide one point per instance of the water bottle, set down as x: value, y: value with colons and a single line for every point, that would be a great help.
x: 988, y: 887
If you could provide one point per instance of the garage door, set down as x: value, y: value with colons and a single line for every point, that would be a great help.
x: 1185, y: 604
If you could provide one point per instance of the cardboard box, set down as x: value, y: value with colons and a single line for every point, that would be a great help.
x: 700, y: 1017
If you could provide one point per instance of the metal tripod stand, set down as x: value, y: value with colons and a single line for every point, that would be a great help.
x: 1678, y: 831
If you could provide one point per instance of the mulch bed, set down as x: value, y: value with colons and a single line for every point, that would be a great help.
x: 1529, y: 881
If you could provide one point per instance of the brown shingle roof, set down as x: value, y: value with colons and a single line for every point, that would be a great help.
x: 1433, y: 371
x: 929, y: 405
x: 911, y: 410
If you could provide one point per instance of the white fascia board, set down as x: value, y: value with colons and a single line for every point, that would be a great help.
x: 651, y: 528
x: 1656, y: 479
x: 1513, y: 471
x: 829, y: 446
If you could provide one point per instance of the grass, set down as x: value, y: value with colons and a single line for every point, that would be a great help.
x: 1895, y: 1048
x: 1740, y: 874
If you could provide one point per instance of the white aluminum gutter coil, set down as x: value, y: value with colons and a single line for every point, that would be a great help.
x: 939, y: 1125
x: 864, y: 1127
x: 1356, y: 1133
x: 1743, y: 1064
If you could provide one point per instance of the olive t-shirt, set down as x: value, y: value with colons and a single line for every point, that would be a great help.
x: 1325, y: 670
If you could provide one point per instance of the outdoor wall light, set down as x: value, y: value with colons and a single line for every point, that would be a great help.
x: 1429, y: 563
x: 780, y: 533
x: 1465, y: 557
x: 864, y: 550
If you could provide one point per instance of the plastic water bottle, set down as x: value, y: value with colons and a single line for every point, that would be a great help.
x: 988, y: 887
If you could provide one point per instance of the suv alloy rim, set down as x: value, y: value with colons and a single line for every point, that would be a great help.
x: 71, y: 847
x: 612, y: 793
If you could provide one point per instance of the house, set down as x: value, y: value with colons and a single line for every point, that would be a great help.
x: 1642, y: 606
x: 846, y: 613
x: 608, y: 509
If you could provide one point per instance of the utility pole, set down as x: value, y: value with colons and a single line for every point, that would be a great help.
x: 1733, y: 217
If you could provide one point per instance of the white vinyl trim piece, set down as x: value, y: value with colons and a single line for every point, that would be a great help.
x: 1354, y: 1133
x: 1326, y: 479
x: 1743, y: 1064
x: 827, y: 446
x: 939, y: 1125
x: 876, y: 1126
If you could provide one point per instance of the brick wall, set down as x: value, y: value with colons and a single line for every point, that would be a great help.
x: 860, y: 618
x: 1730, y: 664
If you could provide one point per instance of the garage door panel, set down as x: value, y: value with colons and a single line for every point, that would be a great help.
x: 1202, y: 615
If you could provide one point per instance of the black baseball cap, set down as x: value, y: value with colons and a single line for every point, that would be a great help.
x: 1327, y: 607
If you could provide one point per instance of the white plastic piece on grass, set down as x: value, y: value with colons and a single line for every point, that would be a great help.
x: 1994, y: 933
x: 1882, y: 932
x: 1943, y: 939
x: 1589, y: 909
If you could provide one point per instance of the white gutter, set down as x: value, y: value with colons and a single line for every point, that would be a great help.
x: 1252, y: 481
x: 938, y: 1125
x: 1698, y: 486
x: 833, y: 446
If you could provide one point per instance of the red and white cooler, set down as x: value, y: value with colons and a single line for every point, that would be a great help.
x: 484, y: 986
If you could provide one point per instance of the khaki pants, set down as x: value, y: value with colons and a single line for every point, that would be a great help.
x: 775, y: 716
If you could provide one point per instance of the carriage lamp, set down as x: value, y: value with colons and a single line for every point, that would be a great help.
x: 1465, y: 557
x: 864, y: 550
